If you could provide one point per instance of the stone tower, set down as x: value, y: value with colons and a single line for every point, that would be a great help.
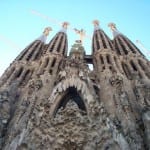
x: 51, y: 101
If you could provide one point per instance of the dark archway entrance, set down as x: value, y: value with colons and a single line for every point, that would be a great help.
x: 71, y: 95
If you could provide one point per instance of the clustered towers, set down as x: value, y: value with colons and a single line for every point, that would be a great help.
x: 120, y: 47
x: 43, y: 79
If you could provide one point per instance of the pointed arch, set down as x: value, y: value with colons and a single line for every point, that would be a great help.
x: 71, y: 94
x: 77, y: 90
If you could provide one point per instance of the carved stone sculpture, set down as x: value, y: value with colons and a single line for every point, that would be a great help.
x: 50, y: 100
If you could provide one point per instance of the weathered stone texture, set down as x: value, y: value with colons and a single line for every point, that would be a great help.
x: 51, y: 101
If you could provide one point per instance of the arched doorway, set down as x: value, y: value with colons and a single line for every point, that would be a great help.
x: 71, y: 94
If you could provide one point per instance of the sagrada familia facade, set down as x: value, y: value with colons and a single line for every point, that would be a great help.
x: 53, y: 101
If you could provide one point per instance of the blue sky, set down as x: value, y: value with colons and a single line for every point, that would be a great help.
x: 19, y: 26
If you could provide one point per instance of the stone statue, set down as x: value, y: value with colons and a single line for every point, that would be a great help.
x: 81, y: 33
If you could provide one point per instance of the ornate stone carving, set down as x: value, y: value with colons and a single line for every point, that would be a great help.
x: 142, y: 91
x: 124, y: 111
x: 71, y: 129
x: 62, y: 74
x: 116, y: 81
x: 4, y: 107
x: 4, y: 112
x: 35, y: 84
x: 146, y: 121
x: 61, y: 105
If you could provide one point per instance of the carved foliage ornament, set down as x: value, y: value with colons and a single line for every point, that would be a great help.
x: 35, y: 84
x: 116, y: 81
x: 71, y: 129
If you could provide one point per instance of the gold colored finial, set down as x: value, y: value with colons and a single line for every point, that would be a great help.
x: 47, y: 30
x: 96, y: 23
x: 112, y: 26
x: 65, y: 25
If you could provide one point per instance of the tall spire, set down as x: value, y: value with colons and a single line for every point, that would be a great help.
x: 43, y: 37
x: 59, y: 42
x: 96, y: 24
x: 113, y: 29
x: 64, y: 27
x: 122, y: 43
x: 100, y: 39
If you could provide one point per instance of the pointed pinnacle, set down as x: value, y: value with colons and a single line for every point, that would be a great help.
x: 47, y: 30
x: 112, y: 26
x: 96, y: 23
x: 65, y: 24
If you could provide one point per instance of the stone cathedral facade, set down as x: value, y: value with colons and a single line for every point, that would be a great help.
x: 51, y: 101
